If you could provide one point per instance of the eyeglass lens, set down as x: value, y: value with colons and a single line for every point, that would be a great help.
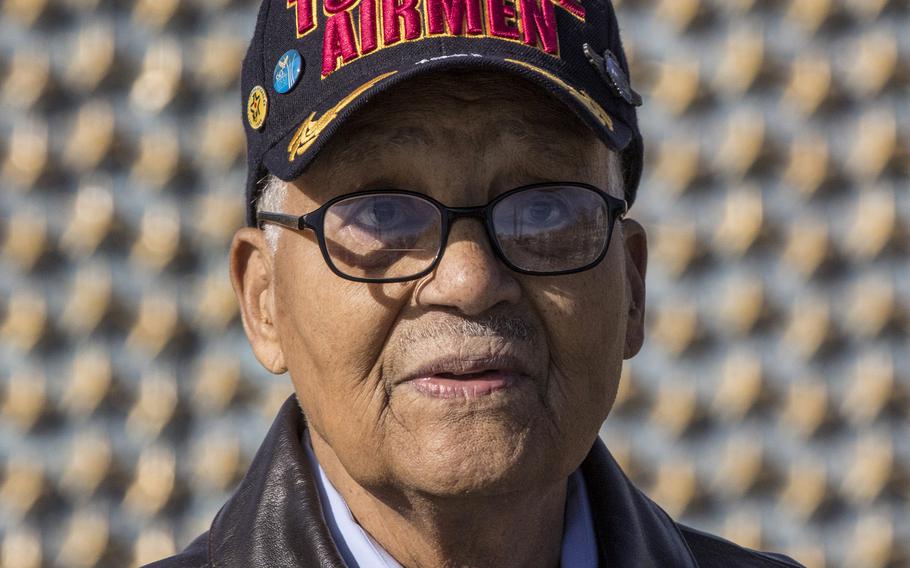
x: 551, y: 229
x: 382, y: 236
x: 547, y: 229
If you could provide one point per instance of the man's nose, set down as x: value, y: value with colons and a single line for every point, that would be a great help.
x: 469, y: 276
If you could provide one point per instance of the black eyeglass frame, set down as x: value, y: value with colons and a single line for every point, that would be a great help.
x: 314, y: 220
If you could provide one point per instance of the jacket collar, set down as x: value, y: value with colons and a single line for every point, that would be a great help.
x: 274, y: 518
x: 631, y: 529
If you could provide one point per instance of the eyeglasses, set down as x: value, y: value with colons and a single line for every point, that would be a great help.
x: 394, y: 236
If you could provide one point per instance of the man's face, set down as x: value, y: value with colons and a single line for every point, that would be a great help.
x: 353, y: 350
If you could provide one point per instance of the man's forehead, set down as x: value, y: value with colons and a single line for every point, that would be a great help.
x: 517, y: 121
x: 535, y: 147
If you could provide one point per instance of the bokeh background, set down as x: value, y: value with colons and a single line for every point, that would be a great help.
x: 770, y: 403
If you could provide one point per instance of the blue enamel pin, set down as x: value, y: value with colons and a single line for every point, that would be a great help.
x: 288, y: 71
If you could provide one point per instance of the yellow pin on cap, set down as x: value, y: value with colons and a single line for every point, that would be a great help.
x: 257, y: 107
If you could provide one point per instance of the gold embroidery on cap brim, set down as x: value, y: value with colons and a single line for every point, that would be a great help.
x: 310, y: 130
x: 582, y: 97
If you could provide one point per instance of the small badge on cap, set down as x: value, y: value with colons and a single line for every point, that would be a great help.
x: 611, y: 72
x: 257, y: 107
x: 288, y: 71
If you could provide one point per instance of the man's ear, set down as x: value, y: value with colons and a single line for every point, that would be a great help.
x: 252, y: 275
x: 636, y: 251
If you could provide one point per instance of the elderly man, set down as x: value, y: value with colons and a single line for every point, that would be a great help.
x: 439, y: 256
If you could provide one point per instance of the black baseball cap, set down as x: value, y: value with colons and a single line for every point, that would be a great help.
x: 312, y: 63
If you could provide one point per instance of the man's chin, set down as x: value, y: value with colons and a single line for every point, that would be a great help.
x: 464, y: 475
x: 488, y: 454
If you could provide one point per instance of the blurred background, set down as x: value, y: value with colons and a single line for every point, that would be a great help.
x: 770, y: 403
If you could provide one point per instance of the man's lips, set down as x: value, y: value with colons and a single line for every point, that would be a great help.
x: 455, y: 377
x: 471, y: 386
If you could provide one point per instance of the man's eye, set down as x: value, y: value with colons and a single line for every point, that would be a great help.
x: 380, y: 214
x: 544, y: 212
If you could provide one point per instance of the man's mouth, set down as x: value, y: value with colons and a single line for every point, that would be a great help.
x: 467, y: 378
x: 469, y: 385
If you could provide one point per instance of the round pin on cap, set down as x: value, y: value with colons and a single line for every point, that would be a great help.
x: 257, y: 107
x: 288, y: 71
x: 611, y: 72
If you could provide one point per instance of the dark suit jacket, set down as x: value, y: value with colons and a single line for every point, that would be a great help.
x: 274, y: 519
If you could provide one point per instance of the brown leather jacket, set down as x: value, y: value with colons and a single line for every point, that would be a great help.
x: 274, y: 518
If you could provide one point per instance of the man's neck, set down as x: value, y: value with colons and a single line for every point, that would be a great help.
x: 521, y: 529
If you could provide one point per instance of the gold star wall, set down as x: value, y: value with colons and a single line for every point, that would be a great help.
x: 771, y: 403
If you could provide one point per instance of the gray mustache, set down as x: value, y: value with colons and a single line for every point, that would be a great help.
x: 490, y: 326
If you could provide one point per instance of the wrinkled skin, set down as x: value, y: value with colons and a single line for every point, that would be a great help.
x: 478, y: 481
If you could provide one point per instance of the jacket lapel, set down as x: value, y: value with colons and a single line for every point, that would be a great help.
x: 274, y: 518
x: 631, y: 529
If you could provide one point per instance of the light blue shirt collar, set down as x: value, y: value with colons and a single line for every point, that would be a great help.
x: 359, y: 550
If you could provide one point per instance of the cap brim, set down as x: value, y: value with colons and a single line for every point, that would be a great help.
x: 290, y: 156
